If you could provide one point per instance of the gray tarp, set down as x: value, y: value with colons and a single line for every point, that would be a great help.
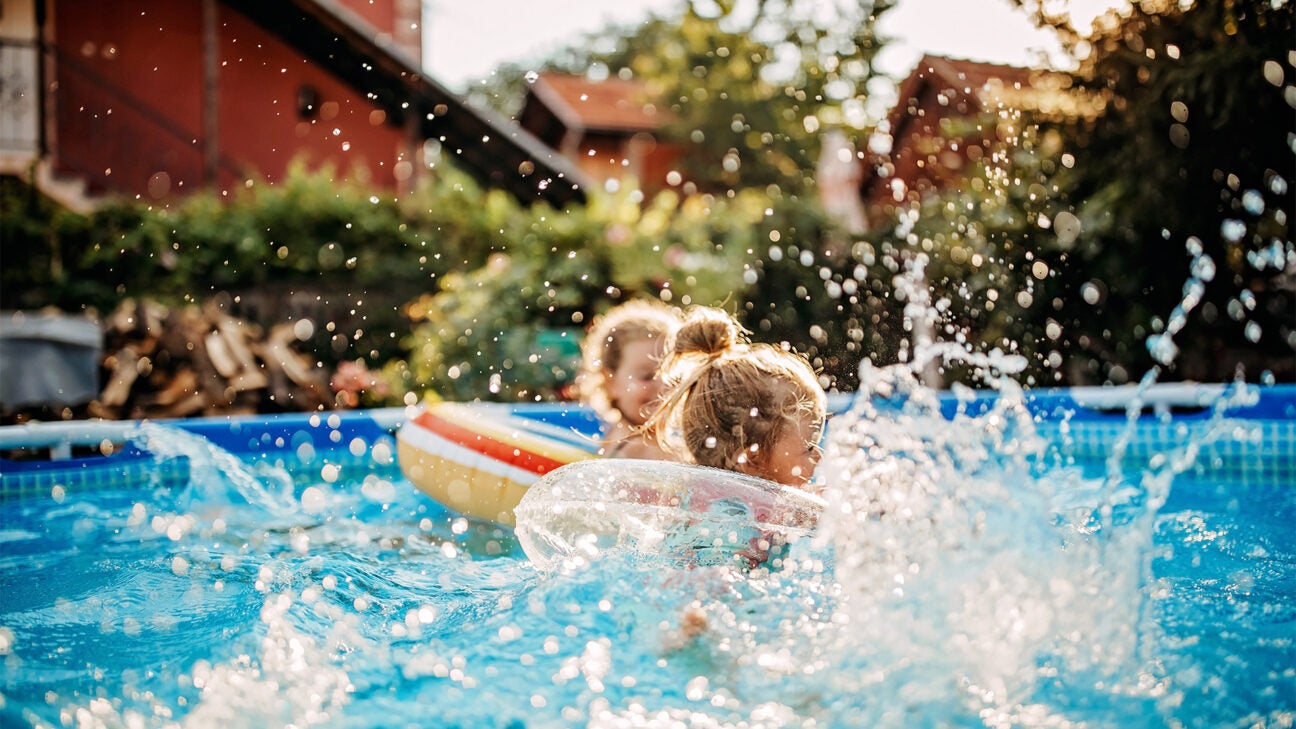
x: 47, y: 359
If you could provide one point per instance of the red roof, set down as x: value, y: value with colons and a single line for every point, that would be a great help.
x: 610, y: 105
x: 988, y: 87
x: 960, y: 79
x: 971, y: 76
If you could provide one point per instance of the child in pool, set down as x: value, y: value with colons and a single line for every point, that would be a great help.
x: 752, y: 408
x: 619, y: 377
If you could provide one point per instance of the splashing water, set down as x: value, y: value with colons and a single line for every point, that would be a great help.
x: 970, y: 567
x: 968, y: 571
x: 221, y: 478
x: 978, y: 568
x: 1202, y: 271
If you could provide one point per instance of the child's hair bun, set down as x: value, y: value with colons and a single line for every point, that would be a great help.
x: 707, y: 331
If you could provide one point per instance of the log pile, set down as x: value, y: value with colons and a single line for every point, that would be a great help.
x: 173, y: 363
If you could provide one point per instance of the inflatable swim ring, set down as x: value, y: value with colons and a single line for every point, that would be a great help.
x: 690, y: 514
x: 480, y: 459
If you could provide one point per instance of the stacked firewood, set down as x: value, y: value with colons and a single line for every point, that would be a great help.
x: 165, y: 362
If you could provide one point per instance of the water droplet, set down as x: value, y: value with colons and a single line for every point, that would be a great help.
x: 531, y: 77
x: 1162, y: 348
x: 1067, y: 227
x: 312, y: 499
x: 1253, y: 202
x: 1252, y: 332
x: 357, y: 447
x: 1273, y: 72
x: 1203, y: 267
x: 1232, y: 230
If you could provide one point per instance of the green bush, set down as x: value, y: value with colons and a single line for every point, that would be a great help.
x: 510, y: 329
x: 456, y: 290
x: 306, y: 247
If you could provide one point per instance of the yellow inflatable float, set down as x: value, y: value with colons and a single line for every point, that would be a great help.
x: 480, y: 459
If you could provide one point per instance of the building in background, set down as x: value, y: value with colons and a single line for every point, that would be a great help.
x: 154, y: 98
x: 610, y: 129
x: 950, y: 115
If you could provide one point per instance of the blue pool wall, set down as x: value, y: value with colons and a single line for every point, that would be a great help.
x: 1260, y: 447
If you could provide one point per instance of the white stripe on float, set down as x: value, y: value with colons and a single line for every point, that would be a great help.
x: 429, y: 442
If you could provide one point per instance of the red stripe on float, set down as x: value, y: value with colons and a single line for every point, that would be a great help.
x: 508, y: 453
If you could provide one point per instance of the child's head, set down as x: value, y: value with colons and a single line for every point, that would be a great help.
x: 752, y: 408
x: 620, y: 359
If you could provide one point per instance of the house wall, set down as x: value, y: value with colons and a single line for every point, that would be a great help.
x: 600, y: 155
x: 261, y: 126
x: 129, y: 104
x: 651, y: 160
x: 932, y: 152
x: 644, y: 158
x: 127, y: 101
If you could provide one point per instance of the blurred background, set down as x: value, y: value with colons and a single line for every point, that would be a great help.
x: 344, y: 203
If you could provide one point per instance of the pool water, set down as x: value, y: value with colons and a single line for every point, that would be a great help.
x: 973, y: 574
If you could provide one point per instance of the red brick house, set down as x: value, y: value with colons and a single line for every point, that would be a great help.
x: 610, y: 129
x: 153, y: 98
x: 948, y: 115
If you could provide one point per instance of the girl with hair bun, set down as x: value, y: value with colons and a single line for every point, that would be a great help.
x: 619, y: 377
x: 752, y: 408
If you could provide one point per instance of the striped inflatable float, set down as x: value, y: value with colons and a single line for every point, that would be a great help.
x: 480, y: 459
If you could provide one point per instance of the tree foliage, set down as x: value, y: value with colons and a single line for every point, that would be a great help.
x: 306, y: 247
x: 1191, y: 154
x: 511, y: 328
x: 1155, y: 232
x: 751, y: 85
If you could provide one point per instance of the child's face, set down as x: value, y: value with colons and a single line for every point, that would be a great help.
x: 634, y: 386
x: 794, y: 454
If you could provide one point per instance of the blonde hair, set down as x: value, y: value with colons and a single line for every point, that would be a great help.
x: 729, y: 395
x: 604, y: 345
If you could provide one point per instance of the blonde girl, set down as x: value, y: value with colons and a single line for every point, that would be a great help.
x: 619, y: 377
x: 751, y: 408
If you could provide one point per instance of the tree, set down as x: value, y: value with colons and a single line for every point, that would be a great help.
x: 752, y: 85
x: 1190, y: 154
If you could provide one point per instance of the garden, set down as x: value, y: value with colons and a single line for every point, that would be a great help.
x: 1046, y: 248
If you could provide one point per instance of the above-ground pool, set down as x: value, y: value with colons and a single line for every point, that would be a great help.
x: 1051, y: 559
